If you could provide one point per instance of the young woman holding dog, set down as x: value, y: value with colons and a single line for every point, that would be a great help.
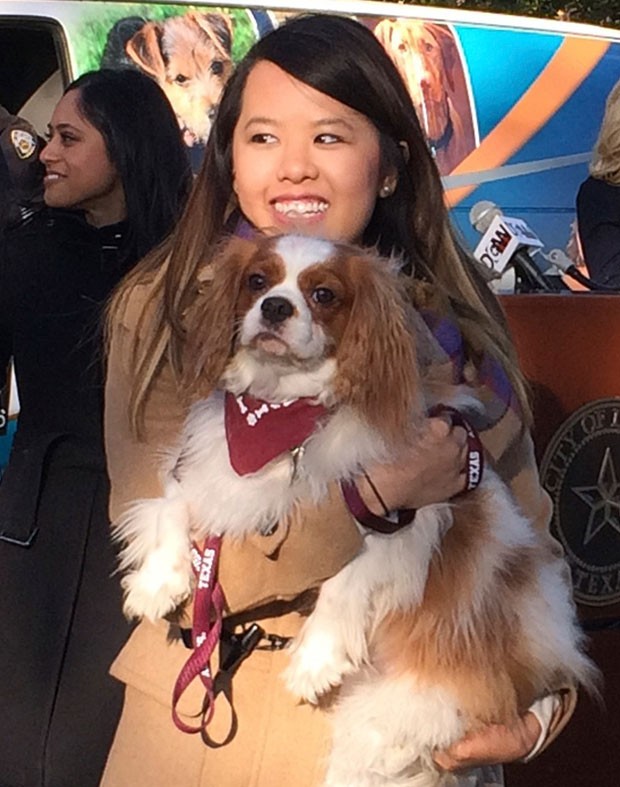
x: 116, y: 178
x: 315, y: 134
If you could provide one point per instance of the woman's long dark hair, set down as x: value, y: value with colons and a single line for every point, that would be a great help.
x: 143, y: 141
x: 344, y: 60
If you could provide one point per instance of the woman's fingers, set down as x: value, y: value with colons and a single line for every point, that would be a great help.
x: 492, y: 744
x: 430, y: 471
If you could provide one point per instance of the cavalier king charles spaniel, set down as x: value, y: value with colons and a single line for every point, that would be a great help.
x: 308, y: 355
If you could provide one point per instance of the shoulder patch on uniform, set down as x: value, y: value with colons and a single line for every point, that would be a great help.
x: 24, y: 143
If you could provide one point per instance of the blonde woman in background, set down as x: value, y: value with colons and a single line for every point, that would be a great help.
x: 598, y: 201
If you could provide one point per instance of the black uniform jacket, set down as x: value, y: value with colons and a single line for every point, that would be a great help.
x: 56, y: 273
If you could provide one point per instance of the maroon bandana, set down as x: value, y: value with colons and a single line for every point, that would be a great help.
x: 257, y: 431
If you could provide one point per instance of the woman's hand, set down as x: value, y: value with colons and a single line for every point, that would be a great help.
x: 492, y: 744
x: 431, y: 471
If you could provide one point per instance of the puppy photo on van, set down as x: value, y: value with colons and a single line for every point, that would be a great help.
x: 189, y: 56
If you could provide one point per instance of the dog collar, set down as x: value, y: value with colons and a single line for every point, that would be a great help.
x: 444, y: 140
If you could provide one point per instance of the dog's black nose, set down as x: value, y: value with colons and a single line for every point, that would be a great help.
x: 276, y: 309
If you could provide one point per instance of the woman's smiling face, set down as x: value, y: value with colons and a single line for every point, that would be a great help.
x: 302, y: 161
x: 79, y: 173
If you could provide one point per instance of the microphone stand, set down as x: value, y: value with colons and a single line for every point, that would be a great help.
x: 529, y: 278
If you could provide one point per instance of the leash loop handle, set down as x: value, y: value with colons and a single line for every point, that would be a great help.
x: 206, y: 631
x: 475, y: 452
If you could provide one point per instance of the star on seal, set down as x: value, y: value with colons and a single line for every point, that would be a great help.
x: 603, y: 499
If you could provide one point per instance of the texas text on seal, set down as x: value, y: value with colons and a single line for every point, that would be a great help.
x: 581, y: 472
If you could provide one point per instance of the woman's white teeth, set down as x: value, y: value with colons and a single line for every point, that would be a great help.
x: 300, y: 208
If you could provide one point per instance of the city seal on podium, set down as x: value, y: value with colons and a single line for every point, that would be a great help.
x: 581, y: 472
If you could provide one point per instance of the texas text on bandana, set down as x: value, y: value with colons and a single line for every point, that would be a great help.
x: 257, y: 431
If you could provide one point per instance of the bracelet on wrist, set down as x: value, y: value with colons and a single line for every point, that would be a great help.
x: 369, y: 481
x: 361, y: 512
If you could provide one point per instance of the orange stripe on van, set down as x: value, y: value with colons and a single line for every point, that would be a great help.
x: 570, y: 65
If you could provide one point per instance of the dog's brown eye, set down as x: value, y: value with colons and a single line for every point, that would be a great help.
x: 323, y: 296
x: 217, y: 68
x: 181, y: 79
x: 256, y: 282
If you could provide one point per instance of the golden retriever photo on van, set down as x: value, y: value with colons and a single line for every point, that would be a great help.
x: 428, y: 58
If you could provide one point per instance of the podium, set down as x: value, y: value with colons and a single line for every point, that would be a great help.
x: 569, y: 349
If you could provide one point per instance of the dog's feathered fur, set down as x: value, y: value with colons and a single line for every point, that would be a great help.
x: 460, y: 619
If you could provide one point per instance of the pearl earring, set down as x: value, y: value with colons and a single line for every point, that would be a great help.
x: 385, y: 191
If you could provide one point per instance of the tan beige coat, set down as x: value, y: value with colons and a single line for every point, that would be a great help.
x: 278, y: 743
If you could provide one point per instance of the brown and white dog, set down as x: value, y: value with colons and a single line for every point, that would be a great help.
x: 189, y: 57
x: 428, y: 60
x: 458, y: 619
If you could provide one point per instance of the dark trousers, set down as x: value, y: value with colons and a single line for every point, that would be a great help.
x: 61, y: 625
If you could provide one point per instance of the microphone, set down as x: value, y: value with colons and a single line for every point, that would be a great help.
x: 482, y: 214
x: 562, y: 262
x: 504, y: 244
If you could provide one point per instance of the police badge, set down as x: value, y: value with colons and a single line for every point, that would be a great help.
x: 24, y: 143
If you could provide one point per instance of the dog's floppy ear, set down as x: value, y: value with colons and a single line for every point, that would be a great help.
x: 210, y: 322
x: 218, y: 29
x: 449, y: 52
x: 144, y: 48
x: 377, y: 365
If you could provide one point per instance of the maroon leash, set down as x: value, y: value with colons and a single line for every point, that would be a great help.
x: 206, y: 630
x: 475, y: 467
x: 209, y: 597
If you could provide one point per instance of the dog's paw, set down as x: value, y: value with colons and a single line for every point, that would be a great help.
x: 318, y: 664
x: 156, y: 589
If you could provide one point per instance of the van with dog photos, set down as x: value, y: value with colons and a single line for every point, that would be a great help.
x: 511, y: 106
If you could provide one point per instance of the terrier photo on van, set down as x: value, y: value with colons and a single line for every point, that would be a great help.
x: 456, y: 615
x: 189, y: 56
